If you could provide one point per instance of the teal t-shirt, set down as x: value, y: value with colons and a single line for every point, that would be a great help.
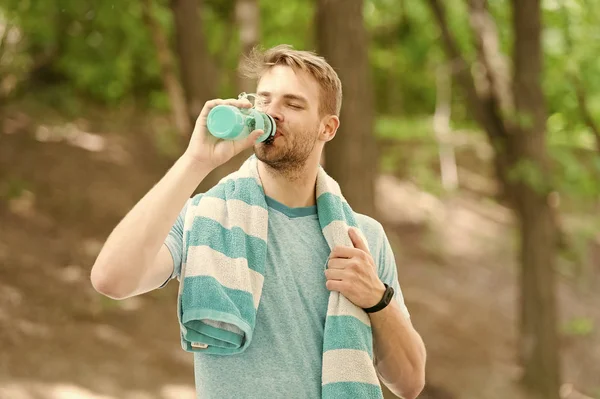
x: 284, y: 358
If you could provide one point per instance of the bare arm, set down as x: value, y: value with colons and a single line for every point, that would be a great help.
x: 399, y: 352
x: 134, y: 260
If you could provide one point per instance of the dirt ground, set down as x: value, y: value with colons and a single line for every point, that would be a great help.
x: 63, y: 190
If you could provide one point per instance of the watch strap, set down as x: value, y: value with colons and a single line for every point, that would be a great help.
x: 385, y: 300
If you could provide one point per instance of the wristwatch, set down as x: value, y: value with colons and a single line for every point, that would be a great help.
x: 385, y: 300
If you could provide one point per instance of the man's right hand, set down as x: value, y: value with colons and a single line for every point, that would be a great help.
x: 134, y: 260
x: 210, y: 152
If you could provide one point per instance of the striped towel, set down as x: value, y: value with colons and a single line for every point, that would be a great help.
x: 225, y: 247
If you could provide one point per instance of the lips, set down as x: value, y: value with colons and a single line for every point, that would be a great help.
x: 272, y: 138
x: 277, y: 134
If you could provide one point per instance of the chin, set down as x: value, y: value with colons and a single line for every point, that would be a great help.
x: 270, y: 155
x: 263, y: 151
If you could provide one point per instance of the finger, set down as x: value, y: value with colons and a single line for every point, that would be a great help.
x: 341, y: 251
x: 357, y: 239
x: 335, y: 285
x: 208, y: 106
x: 336, y: 274
x: 248, y: 141
x: 239, y: 102
x: 339, y: 263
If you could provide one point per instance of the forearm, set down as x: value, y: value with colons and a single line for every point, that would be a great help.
x: 399, y: 352
x: 136, y: 240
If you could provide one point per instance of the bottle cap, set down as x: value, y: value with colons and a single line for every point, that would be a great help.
x: 225, y: 122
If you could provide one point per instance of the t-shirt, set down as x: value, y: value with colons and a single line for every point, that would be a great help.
x: 285, y: 355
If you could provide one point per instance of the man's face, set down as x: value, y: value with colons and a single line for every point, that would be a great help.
x: 292, y: 99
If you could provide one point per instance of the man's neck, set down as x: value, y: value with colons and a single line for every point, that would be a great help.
x: 294, y: 191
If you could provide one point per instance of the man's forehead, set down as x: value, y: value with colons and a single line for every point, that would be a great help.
x: 281, y: 80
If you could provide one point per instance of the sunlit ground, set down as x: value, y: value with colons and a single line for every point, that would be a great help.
x: 28, y: 389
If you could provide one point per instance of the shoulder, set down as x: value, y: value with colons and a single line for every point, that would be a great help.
x: 373, y: 232
x: 378, y: 243
x: 370, y: 227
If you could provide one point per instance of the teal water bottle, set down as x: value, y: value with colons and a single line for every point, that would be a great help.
x: 228, y: 122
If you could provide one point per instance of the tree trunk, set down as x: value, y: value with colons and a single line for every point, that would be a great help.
x: 518, y: 138
x: 539, y: 340
x: 351, y: 157
x: 247, y: 15
x: 195, y: 65
x: 442, y: 130
x: 168, y: 71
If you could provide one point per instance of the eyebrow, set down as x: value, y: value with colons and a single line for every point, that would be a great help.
x: 287, y: 96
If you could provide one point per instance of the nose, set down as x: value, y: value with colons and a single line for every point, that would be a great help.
x: 274, y: 111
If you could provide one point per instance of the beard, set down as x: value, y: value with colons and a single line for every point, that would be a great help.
x: 289, y: 155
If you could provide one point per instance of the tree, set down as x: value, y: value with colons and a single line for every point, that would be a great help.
x: 351, y: 156
x: 538, y: 303
x: 197, y: 73
x: 247, y: 15
x: 168, y: 71
x: 512, y: 112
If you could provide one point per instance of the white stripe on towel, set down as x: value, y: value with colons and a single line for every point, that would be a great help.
x: 252, y: 219
x: 341, y: 306
x: 229, y: 272
x: 348, y: 365
x: 337, y: 232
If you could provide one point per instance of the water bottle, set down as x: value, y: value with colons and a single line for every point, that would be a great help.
x: 228, y: 122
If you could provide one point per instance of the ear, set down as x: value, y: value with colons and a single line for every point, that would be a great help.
x: 330, y: 123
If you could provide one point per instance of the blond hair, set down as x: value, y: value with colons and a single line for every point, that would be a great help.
x: 260, y: 61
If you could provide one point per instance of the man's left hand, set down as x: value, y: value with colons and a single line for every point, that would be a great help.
x: 352, y: 272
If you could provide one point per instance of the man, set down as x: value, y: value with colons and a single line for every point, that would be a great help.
x: 303, y: 94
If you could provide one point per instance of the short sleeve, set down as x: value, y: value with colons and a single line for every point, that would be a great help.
x: 388, y: 272
x: 174, y: 243
x: 383, y: 255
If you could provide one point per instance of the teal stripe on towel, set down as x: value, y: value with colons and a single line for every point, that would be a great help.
x: 356, y: 334
x: 234, y: 243
x: 345, y: 390
x: 244, y: 189
x: 203, y: 297
x: 330, y: 208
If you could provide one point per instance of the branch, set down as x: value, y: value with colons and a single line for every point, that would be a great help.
x: 576, y: 82
x: 4, y: 37
x: 484, y: 111
x: 585, y: 111
x: 489, y: 55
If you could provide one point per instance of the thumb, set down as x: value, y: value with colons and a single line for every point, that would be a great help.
x: 248, y: 142
x: 357, y: 239
x: 252, y: 137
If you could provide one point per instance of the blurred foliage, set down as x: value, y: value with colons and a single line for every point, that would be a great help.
x: 13, y: 188
x: 101, y: 50
x: 580, y: 326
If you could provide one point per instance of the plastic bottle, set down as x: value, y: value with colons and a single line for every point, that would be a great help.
x: 228, y: 122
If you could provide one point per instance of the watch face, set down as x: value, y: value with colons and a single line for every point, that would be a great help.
x: 389, y: 293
